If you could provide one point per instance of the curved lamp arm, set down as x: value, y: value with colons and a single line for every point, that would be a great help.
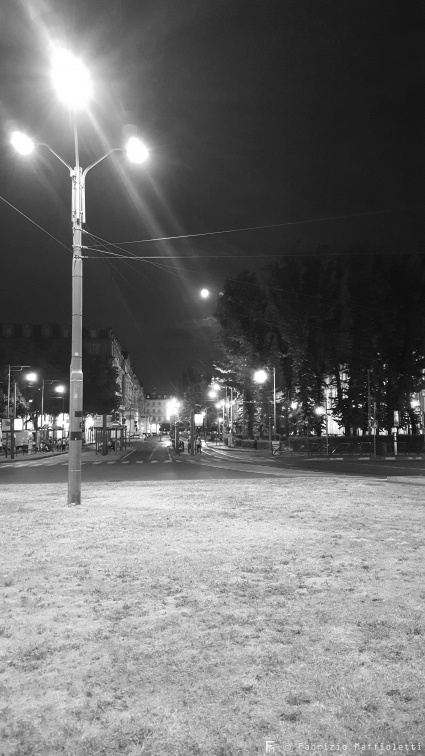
x: 92, y: 165
x: 44, y: 144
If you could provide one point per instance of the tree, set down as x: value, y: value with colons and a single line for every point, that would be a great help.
x: 344, y: 321
x: 193, y: 389
x: 101, y: 389
x: 50, y: 360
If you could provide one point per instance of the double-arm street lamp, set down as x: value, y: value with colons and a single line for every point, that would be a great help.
x: 72, y: 81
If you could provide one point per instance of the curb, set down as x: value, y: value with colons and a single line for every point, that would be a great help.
x: 412, y: 481
x: 31, y: 457
x: 49, y: 455
x: 362, y: 459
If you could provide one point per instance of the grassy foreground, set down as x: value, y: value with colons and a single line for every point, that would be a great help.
x: 212, y: 618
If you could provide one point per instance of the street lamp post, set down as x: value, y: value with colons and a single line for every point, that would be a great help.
x: 172, y: 411
x: 260, y: 376
x: 72, y: 81
x: 30, y: 376
x: 322, y: 411
x: 59, y: 389
x: 214, y: 389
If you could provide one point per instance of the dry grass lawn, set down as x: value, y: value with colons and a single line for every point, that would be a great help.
x: 208, y: 618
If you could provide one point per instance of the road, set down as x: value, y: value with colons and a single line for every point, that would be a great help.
x: 155, y: 460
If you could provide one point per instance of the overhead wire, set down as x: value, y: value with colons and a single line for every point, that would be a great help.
x: 107, y: 255
x: 36, y: 224
x: 272, y: 225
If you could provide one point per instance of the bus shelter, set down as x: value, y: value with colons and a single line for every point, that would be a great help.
x: 116, y: 439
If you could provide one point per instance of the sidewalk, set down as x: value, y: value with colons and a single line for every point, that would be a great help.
x: 288, y: 453
x: 88, y: 455
x: 263, y: 453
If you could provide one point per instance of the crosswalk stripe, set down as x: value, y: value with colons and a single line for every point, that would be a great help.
x: 50, y: 463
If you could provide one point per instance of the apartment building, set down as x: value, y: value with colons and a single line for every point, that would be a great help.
x: 36, y: 339
x: 156, y: 410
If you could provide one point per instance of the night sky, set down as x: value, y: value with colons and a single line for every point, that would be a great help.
x: 293, y: 114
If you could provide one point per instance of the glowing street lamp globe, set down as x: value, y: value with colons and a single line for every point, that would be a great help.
x: 204, y: 293
x: 260, y: 376
x: 136, y: 151
x: 71, y: 79
x: 22, y: 143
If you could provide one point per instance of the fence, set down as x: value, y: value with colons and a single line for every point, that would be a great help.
x: 335, y: 446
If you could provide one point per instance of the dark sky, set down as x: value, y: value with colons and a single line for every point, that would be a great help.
x: 256, y: 112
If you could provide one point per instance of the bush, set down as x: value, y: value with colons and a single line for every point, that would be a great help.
x: 250, y: 443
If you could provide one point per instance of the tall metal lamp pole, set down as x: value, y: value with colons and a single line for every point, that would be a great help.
x: 73, y: 84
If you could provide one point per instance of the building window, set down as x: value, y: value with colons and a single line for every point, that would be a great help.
x: 93, y: 348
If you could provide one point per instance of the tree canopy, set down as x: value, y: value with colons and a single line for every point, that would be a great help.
x: 101, y: 393
x: 351, y: 322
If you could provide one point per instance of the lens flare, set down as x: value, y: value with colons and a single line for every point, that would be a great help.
x: 137, y: 152
x: 71, y: 79
x: 22, y: 143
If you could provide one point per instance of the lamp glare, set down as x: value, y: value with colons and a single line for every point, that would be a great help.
x: 260, y: 376
x: 71, y: 79
x: 22, y: 143
x: 137, y: 152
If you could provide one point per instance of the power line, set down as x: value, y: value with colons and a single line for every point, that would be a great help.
x: 36, y: 224
x: 272, y: 225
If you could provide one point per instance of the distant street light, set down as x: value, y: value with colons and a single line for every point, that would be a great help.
x: 322, y: 411
x: 214, y: 389
x: 31, y: 377
x: 172, y: 411
x: 219, y: 405
x: 72, y: 82
x: 60, y: 389
x: 261, y: 376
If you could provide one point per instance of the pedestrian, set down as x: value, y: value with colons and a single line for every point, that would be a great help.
x: 198, y: 445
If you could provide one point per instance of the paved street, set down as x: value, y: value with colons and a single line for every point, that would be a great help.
x: 156, y: 460
x: 146, y: 460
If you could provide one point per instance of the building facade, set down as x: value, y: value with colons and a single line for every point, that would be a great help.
x: 156, y: 411
x: 50, y: 338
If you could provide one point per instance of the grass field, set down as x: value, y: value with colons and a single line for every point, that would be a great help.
x: 222, y: 618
